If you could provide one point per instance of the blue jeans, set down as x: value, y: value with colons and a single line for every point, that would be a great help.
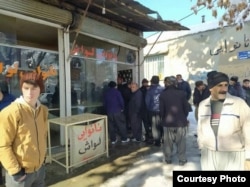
x: 35, y: 179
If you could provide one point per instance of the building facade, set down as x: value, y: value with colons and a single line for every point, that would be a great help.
x: 78, y: 46
x: 76, y: 63
x: 195, y: 52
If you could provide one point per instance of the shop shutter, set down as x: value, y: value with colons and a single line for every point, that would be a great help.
x: 38, y: 10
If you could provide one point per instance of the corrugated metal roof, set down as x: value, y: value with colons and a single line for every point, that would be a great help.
x: 128, y: 13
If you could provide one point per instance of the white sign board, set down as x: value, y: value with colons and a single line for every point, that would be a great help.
x: 86, y: 141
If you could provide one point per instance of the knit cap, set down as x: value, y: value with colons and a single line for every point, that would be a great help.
x: 112, y: 84
x: 234, y: 78
x: 215, y: 77
x: 171, y: 80
x: 144, y: 81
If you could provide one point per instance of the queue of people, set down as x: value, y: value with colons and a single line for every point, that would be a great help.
x: 223, y: 123
x: 146, y: 108
x: 163, y: 112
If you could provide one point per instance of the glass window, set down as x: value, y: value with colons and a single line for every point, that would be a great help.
x: 89, y: 79
x: 15, y: 60
x: 154, y: 65
x: 93, y: 64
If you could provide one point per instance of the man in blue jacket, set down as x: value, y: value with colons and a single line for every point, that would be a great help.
x: 153, y: 106
x: 114, y: 107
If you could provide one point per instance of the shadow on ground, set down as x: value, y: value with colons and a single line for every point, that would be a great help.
x: 121, y: 157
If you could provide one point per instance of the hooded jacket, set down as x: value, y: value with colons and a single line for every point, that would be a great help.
x: 23, y: 136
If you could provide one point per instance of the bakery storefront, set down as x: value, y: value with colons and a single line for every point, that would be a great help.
x: 77, y: 55
x: 74, y: 77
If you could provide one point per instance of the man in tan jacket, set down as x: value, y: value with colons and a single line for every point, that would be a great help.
x: 23, y: 135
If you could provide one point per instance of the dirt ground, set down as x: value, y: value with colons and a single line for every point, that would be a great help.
x: 121, y: 157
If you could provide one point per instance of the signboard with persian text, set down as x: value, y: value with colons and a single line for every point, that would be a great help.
x: 87, y: 141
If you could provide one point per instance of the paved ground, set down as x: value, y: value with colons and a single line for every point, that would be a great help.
x: 122, y: 157
x: 151, y: 171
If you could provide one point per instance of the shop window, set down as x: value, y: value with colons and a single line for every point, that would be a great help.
x: 93, y: 64
x: 89, y: 47
x: 15, y: 60
x: 89, y: 79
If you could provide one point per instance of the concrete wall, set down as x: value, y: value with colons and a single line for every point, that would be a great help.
x: 194, y: 53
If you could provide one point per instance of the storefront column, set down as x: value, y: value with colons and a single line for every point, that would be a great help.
x: 62, y: 79
x: 67, y: 79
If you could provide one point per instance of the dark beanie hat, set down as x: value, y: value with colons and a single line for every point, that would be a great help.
x: 155, y: 79
x: 234, y: 78
x: 171, y: 80
x: 112, y: 84
x: 214, y: 78
x: 144, y: 81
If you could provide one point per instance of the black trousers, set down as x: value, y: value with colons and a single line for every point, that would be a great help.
x: 146, y: 123
x: 117, y: 124
x: 1, y: 175
x: 136, y: 125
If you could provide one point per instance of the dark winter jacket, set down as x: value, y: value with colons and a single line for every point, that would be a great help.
x: 237, y: 90
x: 174, y: 107
x: 113, y: 101
x: 199, y: 96
x: 135, y: 103
x: 152, y: 97
x: 184, y: 85
x: 7, y: 99
x: 125, y: 91
x: 247, y: 93
x: 144, y: 90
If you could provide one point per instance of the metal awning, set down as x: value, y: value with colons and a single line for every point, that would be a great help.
x: 119, y: 13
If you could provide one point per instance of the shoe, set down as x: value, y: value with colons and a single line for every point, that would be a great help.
x: 157, y: 144
x: 114, y: 142
x: 135, y: 140
x: 182, y: 162
x: 168, y: 161
x: 126, y: 141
